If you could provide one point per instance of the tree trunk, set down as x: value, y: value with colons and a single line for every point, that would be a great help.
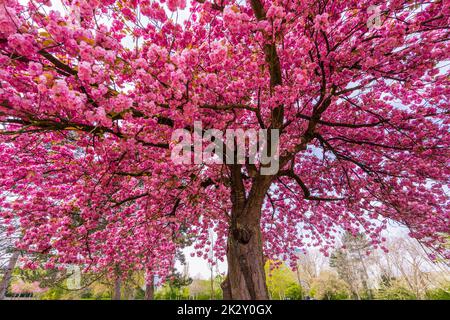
x: 246, y: 279
x: 117, y: 289
x: 150, y: 289
x: 8, y: 274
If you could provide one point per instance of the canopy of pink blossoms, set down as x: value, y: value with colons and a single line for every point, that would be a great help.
x: 91, y: 92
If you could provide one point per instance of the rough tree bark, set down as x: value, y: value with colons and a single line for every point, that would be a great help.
x: 246, y: 277
x: 8, y: 274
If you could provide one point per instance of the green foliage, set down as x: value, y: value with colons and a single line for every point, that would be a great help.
x: 294, y: 292
x: 329, y: 287
x: 279, y: 280
x: 175, y: 288
x: 46, y: 278
x: 139, y: 294
x: 439, y: 293
x: 58, y: 293
x: 172, y: 293
x: 53, y: 294
x: 201, y: 289
x: 100, y: 291
x: 86, y: 294
x: 395, y: 290
x: 178, y: 280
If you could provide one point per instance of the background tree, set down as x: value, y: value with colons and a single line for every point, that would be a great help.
x: 280, y: 279
x: 329, y: 287
x: 309, y: 266
x: 200, y: 289
x: 352, y: 261
x: 410, y: 266
x: 394, y: 289
x: 176, y: 286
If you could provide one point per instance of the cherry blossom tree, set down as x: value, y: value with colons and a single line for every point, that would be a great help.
x: 91, y: 92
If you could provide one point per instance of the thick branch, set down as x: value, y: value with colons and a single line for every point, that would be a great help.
x: 306, y: 192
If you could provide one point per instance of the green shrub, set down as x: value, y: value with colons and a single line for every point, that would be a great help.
x: 438, y: 294
x: 329, y: 287
x: 294, y: 292
x: 395, y: 292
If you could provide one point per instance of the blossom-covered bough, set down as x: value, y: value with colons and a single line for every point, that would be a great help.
x: 91, y: 92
